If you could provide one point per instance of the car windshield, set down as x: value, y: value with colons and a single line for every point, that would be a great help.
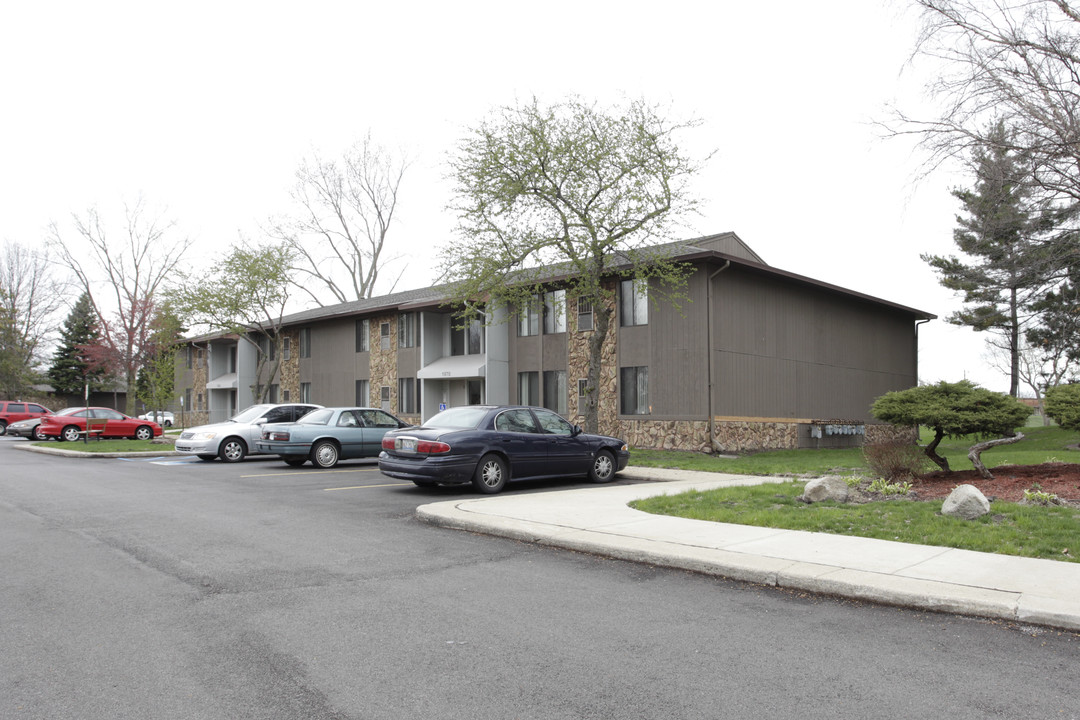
x: 316, y: 417
x: 246, y: 416
x: 462, y: 417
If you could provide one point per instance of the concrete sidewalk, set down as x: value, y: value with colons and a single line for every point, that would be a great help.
x: 598, y: 520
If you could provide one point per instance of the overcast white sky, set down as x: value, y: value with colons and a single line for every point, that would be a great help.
x: 206, y: 108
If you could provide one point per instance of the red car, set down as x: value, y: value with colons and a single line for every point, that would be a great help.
x: 11, y: 412
x: 70, y: 424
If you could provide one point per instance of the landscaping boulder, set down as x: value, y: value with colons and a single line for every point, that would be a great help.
x: 829, y: 487
x: 966, y: 502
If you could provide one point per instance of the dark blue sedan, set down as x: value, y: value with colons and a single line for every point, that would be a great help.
x: 490, y: 445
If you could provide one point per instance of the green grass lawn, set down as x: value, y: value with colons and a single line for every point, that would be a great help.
x: 109, y: 446
x: 1010, y: 529
x: 1040, y: 444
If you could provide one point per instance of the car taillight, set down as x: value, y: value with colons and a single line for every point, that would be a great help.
x: 432, y: 447
x: 387, y: 443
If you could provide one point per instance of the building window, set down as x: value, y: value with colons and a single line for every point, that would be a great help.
x: 634, y: 302
x: 384, y: 336
x: 408, y: 395
x: 466, y: 336
x: 199, y: 358
x: 529, y: 388
x: 555, y: 312
x: 305, y: 342
x: 582, y: 387
x: 634, y: 391
x: 363, y: 335
x: 274, y: 393
x: 200, y: 406
x: 407, y: 330
x: 187, y: 400
x: 384, y: 397
x: 363, y: 393
x: 286, y: 348
x: 584, y: 314
x: 305, y: 392
x: 555, y: 390
x: 190, y: 357
x: 284, y: 396
x: 528, y: 319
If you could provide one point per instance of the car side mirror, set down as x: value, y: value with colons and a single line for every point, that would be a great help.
x: 577, y: 431
x: 259, y: 421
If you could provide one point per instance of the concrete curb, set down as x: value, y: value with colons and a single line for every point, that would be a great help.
x: 60, y: 452
x: 599, y: 521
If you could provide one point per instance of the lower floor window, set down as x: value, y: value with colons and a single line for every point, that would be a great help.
x: 408, y: 396
x: 363, y: 393
x: 634, y: 391
x: 529, y: 388
x: 305, y: 392
x: 555, y: 390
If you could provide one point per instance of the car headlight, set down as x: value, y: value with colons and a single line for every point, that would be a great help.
x: 203, y: 436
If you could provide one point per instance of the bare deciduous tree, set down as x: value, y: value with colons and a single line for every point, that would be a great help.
x: 346, y: 208
x: 1014, y: 61
x: 29, y: 298
x: 123, y: 276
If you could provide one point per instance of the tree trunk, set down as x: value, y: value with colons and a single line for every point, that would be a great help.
x: 931, y: 451
x: 602, y: 315
x: 976, y: 451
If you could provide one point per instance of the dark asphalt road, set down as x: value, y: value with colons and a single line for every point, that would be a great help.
x: 139, y: 589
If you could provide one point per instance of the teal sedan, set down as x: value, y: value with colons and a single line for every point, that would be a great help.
x: 329, y: 435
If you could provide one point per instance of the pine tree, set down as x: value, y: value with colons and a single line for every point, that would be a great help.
x: 997, y: 234
x: 70, y: 370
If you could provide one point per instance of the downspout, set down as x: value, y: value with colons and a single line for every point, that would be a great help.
x: 916, y: 348
x: 709, y: 351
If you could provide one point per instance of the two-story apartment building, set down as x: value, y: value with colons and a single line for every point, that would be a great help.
x: 759, y: 357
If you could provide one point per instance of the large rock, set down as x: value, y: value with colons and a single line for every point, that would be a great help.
x: 830, y: 487
x: 966, y: 502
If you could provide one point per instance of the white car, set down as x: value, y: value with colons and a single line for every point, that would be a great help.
x: 164, y: 418
x: 234, y: 439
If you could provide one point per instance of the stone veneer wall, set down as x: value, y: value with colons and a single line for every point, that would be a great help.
x: 199, y: 375
x: 383, y: 362
x: 577, y: 367
x: 882, y: 433
x: 289, y: 370
x: 666, y: 434
x: 749, y: 435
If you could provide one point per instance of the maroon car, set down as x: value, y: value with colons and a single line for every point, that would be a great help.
x: 70, y: 424
x: 14, y: 411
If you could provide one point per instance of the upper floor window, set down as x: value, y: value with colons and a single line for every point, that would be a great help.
x: 384, y: 336
x: 529, y: 319
x: 584, y: 314
x: 555, y: 312
x: 363, y: 335
x: 634, y: 302
x: 407, y: 330
x: 466, y: 336
x: 286, y: 348
x: 305, y: 342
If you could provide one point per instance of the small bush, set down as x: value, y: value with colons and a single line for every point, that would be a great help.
x: 1062, y: 404
x: 1037, y: 496
x: 895, y: 460
x: 887, y: 488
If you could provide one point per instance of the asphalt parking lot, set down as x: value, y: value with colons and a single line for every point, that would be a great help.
x: 166, y: 587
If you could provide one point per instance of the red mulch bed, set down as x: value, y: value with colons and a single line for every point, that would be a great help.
x: 1009, y: 483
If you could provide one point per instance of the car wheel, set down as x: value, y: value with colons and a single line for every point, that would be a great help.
x: 324, y: 454
x: 296, y: 461
x: 208, y: 458
x: 143, y: 432
x: 232, y: 450
x: 602, y: 469
x: 491, y: 474
x: 168, y: 423
x: 3, y: 428
x: 36, y: 433
x: 70, y: 433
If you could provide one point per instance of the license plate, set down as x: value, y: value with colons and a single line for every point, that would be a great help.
x: 406, y: 445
